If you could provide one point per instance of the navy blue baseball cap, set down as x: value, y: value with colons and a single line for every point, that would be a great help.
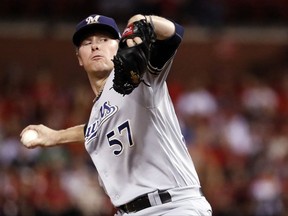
x: 95, y: 23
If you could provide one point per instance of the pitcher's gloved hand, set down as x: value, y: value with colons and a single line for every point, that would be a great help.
x: 130, y: 63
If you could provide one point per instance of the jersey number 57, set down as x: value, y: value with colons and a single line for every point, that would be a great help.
x: 121, y: 130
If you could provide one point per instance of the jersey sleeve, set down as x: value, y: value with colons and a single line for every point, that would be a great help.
x: 163, y: 50
x: 85, y: 128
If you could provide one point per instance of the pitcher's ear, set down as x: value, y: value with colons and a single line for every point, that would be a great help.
x: 78, y: 57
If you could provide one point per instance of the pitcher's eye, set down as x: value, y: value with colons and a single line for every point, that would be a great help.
x: 103, y: 40
x: 86, y: 42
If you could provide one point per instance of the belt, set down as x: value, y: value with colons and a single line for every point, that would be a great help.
x: 143, y: 202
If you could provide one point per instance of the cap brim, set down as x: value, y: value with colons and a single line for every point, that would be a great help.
x: 82, y: 33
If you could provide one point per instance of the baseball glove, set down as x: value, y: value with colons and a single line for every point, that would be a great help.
x: 130, y: 63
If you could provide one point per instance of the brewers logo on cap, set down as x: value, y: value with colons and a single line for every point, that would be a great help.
x: 95, y: 23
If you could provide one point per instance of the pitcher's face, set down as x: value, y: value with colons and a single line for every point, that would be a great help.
x: 96, y: 52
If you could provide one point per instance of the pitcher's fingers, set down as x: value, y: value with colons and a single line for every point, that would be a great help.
x: 32, y: 143
x: 130, y: 42
x: 137, y: 40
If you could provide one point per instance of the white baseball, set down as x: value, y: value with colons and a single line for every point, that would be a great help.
x: 29, y: 135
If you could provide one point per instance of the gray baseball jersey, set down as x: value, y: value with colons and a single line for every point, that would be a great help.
x: 135, y: 140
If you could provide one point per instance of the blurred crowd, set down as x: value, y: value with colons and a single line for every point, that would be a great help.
x: 201, y: 12
x: 56, y: 181
x: 237, y: 134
